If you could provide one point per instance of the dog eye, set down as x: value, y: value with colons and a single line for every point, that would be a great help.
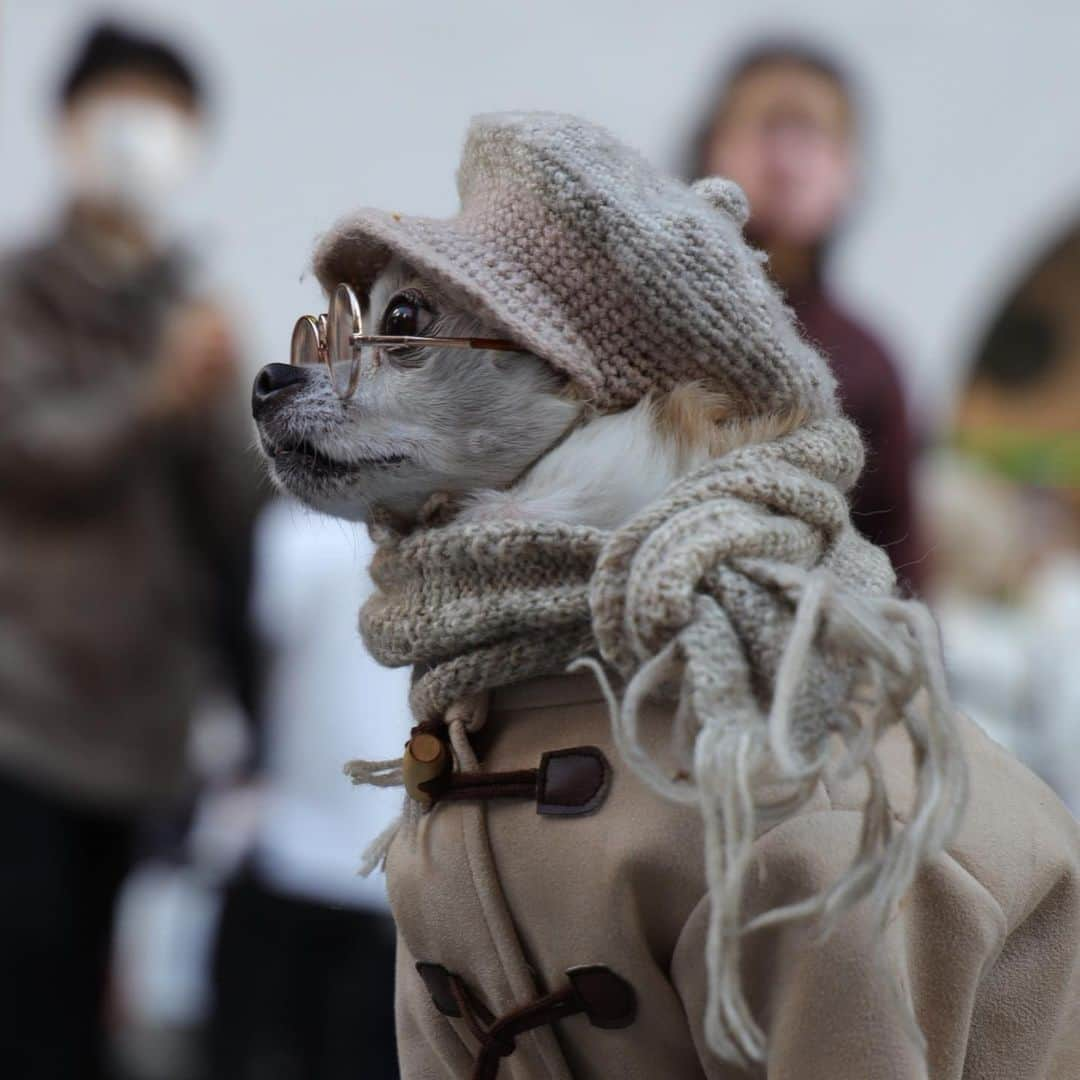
x: 406, y: 316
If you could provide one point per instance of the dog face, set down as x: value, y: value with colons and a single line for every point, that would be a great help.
x: 421, y: 422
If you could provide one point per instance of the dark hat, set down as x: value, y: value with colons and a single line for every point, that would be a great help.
x: 110, y: 48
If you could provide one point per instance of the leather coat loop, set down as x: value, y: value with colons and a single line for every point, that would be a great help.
x: 567, y: 782
x: 606, y: 999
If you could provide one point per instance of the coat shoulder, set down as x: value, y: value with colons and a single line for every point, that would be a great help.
x: 1016, y: 838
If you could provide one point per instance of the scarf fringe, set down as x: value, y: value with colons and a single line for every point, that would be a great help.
x: 374, y: 855
x: 383, y: 774
x: 893, y: 645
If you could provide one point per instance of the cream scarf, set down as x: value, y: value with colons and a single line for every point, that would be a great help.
x: 744, y: 596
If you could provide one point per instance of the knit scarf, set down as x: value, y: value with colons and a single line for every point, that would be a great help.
x: 744, y: 597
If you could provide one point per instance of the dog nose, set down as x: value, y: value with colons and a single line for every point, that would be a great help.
x: 270, y: 382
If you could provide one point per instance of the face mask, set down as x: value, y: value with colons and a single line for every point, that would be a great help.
x: 129, y: 153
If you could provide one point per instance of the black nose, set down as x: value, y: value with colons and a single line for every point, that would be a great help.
x: 269, y: 384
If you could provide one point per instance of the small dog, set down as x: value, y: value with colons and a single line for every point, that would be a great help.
x: 501, y: 433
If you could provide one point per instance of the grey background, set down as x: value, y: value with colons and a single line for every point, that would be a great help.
x: 329, y: 104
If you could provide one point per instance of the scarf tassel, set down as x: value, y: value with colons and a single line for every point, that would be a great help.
x: 894, y: 643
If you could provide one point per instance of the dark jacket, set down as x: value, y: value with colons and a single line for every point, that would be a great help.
x: 120, y: 538
x: 882, y: 505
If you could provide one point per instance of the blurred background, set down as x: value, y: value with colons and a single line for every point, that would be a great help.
x: 914, y: 173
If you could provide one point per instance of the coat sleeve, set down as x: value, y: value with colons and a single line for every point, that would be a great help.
x: 831, y: 1007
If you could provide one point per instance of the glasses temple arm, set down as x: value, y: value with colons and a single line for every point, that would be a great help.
x: 497, y: 344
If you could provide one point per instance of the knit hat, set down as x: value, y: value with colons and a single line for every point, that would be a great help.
x: 626, y: 281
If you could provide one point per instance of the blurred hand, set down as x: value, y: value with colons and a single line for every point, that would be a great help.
x: 198, y: 361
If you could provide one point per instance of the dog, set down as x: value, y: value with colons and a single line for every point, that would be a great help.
x: 502, y: 435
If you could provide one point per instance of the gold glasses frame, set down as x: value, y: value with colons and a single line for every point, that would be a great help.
x: 337, y: 340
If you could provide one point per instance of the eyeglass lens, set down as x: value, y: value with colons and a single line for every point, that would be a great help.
x: 342, y: 322
x: 305, y: 349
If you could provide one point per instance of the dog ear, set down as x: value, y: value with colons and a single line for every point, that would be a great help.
x: 724, y: 195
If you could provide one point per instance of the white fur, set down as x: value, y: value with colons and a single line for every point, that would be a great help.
x: 601, y: 475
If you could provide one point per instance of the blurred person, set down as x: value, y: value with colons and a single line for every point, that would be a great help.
x: 1006, y: 590
x: 1005, y: 496
x: 783, y: 124
x: 123, y: 538
x: 303, y: 974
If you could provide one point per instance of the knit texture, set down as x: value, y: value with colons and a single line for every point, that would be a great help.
x: 746, y: 599
x: 627, y: 281
x: 479, y: 606
x: 743, y: 597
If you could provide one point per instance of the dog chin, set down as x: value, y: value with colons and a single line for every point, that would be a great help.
x: 324, y: 483
x: 327, y: 495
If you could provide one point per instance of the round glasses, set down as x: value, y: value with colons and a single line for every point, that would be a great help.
x: 337, y: 339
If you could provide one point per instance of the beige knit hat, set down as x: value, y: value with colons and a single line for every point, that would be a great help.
x: 571, y: 244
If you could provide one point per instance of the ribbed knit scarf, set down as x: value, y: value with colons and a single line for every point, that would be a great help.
x: 746, y: 598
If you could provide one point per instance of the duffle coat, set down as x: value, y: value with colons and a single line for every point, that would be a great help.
x: 552, y: 914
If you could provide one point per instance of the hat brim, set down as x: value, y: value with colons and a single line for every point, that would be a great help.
x: 443, y: 251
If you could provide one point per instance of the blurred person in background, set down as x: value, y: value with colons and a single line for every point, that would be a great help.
x: 303, y: 972
x: 783, y: 124
x: 124, y: 520
x: 1004, y: 502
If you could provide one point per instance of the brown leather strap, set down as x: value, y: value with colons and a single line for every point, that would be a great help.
x: 454, y: 787
x: 568, y: 782
x: 606, y: 999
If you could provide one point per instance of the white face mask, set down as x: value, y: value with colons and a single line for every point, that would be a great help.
x: 130, y: 153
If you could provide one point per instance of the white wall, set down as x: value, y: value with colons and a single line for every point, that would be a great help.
x: 328, y: 104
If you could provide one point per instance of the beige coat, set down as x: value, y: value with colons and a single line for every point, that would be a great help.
x: 507, y: 899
